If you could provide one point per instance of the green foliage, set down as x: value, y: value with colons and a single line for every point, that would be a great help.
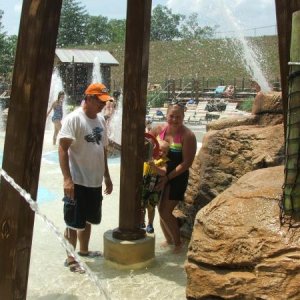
x: 193, y: 56
x: 117, y: 30
x: 98, y: 30
x: 7, y: 51
x: 155, y: 99
x: 164, y: 24
x: 209, y: 58
x: 246, y: 105
x: 72, y: 28
x: 190, y: 28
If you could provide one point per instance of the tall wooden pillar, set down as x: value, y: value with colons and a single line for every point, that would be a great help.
x: 133, y: 122
x: 24, y: 139
x: 284, y: 11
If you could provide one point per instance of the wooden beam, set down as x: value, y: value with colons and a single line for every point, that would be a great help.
x: 284, y: 11
x: 24, y: 139
x: 133, y: 122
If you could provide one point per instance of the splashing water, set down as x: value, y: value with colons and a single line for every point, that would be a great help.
x: 56, y: 85
x: 217, y: 11
x: 249, y: 56
x: 34, y: 206
x: 115, y: 124
x: 96, y: 75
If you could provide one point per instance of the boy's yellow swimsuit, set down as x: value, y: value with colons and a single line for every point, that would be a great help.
x: 150, y: 179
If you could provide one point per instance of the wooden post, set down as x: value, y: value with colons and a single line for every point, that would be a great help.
x: 133, y: 122
x: 284, y: 11
x: 292, y: 187
x: 24, y: 139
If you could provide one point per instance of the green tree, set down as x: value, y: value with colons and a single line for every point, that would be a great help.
x: 7, y: 51
x: 117, y: 30
x: 2, y: 33
x: 97, y: 30
x: 191, y: 29
x: 72, y: 27
x: 164, y: 24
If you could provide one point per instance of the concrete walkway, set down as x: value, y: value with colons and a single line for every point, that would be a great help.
x: 50, y: 280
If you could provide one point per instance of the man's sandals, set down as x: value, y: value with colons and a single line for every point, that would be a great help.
x: 90, y: 254
x: 74, y: 266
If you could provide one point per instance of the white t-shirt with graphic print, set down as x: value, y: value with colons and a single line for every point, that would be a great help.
x: 86, y: 153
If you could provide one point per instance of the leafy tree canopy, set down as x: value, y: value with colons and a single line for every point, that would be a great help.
x: 117, y: 30
x: 73, y: 23
x: 165, y: 24
x: 2, y: 34
x: 78, y: 28
x: 190, y: 28
x: 7, y: 50
x: 97, y: 30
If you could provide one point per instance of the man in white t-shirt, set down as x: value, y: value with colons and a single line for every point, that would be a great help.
x: 83, y: 161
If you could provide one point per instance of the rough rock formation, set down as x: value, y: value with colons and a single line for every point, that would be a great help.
x: 230, y: 149
x: 239, y: 248
x: 225, y: 156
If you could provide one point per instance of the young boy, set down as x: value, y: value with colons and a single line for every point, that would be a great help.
x: 150, y: 197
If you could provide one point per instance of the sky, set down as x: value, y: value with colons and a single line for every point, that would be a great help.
x: 229, y: 15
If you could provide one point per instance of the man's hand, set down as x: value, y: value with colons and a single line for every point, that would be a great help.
x: 108, y: 185
x: 69, y: 188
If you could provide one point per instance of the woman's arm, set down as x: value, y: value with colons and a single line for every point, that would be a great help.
x: 49, y: 111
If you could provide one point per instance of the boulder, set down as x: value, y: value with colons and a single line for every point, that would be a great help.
x: 240, y: 249
x: 267, y: 103
x: 225, y: 156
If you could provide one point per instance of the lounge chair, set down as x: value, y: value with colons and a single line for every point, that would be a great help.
x: 158, y: 115
x: 231, y: 107
x: 201, y: 107
x: 198, y: 118
x: 188, y: 114
x: 220, y: 90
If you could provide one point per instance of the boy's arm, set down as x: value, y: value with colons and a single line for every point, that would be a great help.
x: 159, y: 169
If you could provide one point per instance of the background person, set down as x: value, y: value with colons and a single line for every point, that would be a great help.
x: 83, y: 161
x: 57, y: 107
x: 109, y: 109
x: 183, y: 145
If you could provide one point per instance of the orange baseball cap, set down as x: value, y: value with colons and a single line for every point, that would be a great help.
x: 99, y: 90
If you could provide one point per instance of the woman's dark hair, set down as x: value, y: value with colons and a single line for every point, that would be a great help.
x: 60, y: 94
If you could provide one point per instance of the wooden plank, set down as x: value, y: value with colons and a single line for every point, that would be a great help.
x: 133, y: 122
x: 24, y: 139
